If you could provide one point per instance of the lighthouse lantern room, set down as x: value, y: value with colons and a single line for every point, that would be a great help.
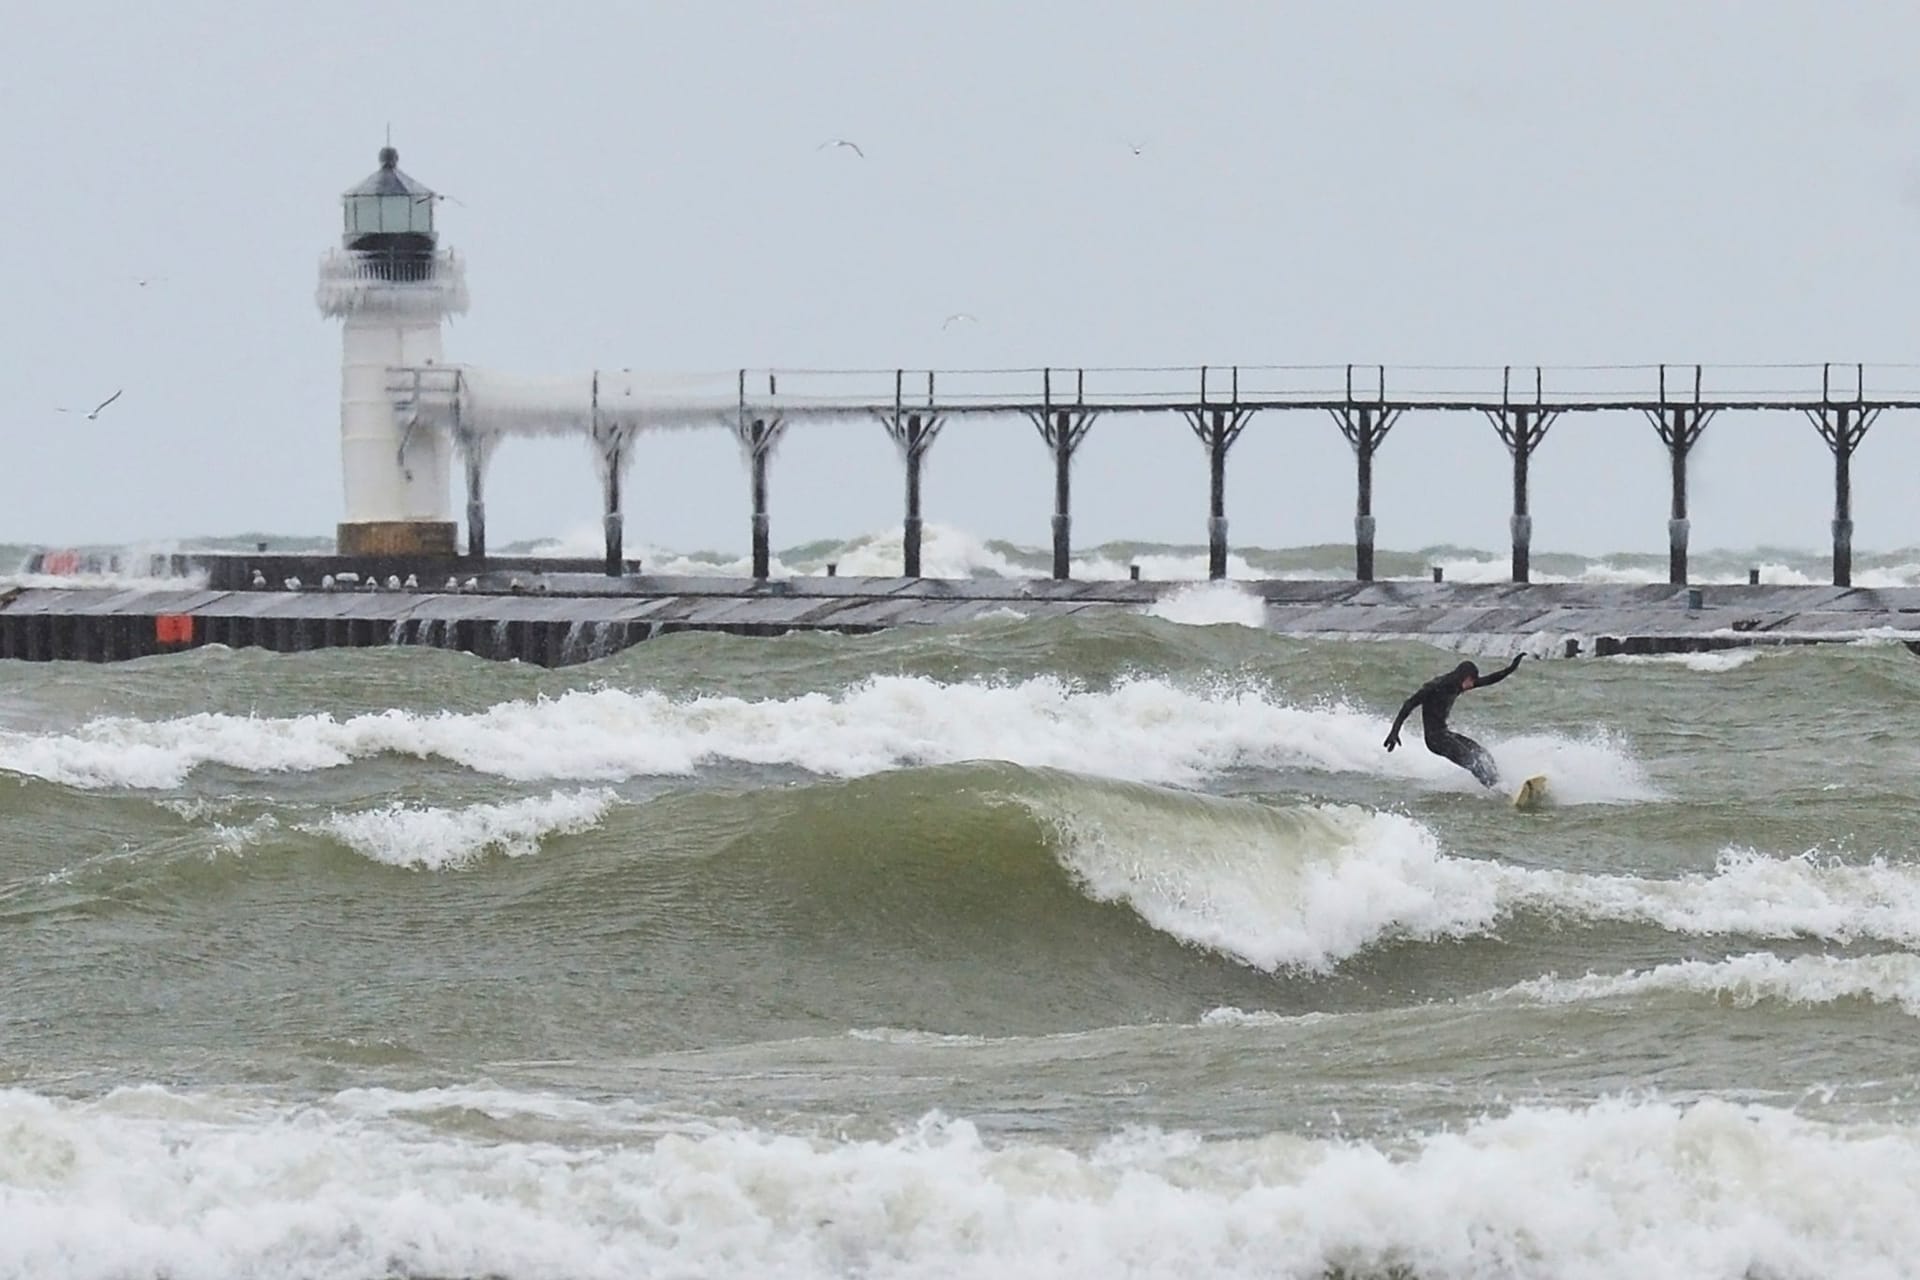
x: 391, y: 285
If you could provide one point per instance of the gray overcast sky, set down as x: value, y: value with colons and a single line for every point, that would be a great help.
x: 641, y: 185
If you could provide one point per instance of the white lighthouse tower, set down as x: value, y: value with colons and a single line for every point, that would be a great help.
x: 392, y: 285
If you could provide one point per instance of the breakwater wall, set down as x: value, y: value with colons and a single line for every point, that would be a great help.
x: 555, y: 618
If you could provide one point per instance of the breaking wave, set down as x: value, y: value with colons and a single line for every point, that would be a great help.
x: 1140, y: 729
x: 144, y: 1181
x: 419, y: 836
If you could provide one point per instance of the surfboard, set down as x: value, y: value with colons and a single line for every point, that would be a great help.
x: 1533, y: 794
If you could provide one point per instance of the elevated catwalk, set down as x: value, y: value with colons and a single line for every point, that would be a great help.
x: 474, y: 409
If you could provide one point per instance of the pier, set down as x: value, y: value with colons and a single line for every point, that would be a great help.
x: 411, y: 422
x: 397, y: 589
x: 613, y: 409
x: 568, y: 615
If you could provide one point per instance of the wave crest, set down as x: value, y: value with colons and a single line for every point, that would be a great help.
x: 402, y: 835
x: 1142, y: 729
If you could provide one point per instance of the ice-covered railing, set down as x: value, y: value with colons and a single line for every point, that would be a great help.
x: 1306, y: 386
x: 351, y: 281
x: 478, y: 401
x: 482, y: 402
x: 1569, y: 386
x: 1436, y: 386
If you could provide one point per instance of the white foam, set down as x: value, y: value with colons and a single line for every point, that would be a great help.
x: 1143, y: 730
x: 1871, y: 578
x: 1211, y: 604
x: 945, y: 552
x: 137, y: 563
x: 1233, y: 1016
x: 1301, y: 887
x: 199, y: 808
x: 1719, y: 570
x: 1857, y: 637
x: 1748, y: 894
x: 1710, y: 663
x: 402, y: 835
x: 1748, y: 980
x: 150, y: 1183
x: 1597, y: 768
x: 588, y: 542
x: 102, y: 581
x: 238, y: 839
x: 900, y: 1036
x: 1168, y: 565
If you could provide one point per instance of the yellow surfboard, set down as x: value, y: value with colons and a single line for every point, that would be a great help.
x: 1533, y: 794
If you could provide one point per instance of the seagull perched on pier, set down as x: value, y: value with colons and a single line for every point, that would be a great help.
x: 842, y: 142
x: 93, y: 414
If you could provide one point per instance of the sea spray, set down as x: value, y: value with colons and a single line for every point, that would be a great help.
x: 1209, y: 605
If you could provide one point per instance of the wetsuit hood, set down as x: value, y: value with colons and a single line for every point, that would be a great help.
x: 1465, y: 669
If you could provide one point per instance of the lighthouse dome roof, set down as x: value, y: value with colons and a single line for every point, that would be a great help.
x: 388, y: 180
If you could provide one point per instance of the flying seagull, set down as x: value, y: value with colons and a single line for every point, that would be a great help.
x: 94, y: 412
x: 842, y: 142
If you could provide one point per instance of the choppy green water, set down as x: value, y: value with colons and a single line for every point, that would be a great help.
x: 927, y: 953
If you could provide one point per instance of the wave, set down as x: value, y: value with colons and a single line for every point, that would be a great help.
x: 151, y: 1182
x: 951, y: 552
x: 1310, y: 886
x: 1748, y: 980
x: 1748, y: 894
x: 1712, y: 663
x: 945, y: 552
x: 1303, y: 887
x: 1024, y: 865
x: 997, y: 854
x: 1210, y: 604
x: 1743, y: 981
x: 419, y: 836
x: 1140, y: 729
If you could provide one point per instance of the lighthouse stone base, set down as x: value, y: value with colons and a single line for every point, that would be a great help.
x: 397, y: 538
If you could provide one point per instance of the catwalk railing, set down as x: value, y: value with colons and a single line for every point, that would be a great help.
x: 610, y: 407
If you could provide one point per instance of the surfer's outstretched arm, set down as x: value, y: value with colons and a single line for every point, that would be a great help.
x: 1501, y: 674
x: 1406, y: 709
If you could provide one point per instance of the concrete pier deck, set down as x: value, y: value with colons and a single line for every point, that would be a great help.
x: 558, y: 618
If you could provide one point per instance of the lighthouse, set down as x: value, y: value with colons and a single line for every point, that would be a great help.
x: 391, y: 285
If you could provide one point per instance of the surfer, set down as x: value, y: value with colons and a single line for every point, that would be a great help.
x: 1435, y: 700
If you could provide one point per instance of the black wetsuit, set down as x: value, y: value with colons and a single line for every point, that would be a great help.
x: 1435, y: 700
